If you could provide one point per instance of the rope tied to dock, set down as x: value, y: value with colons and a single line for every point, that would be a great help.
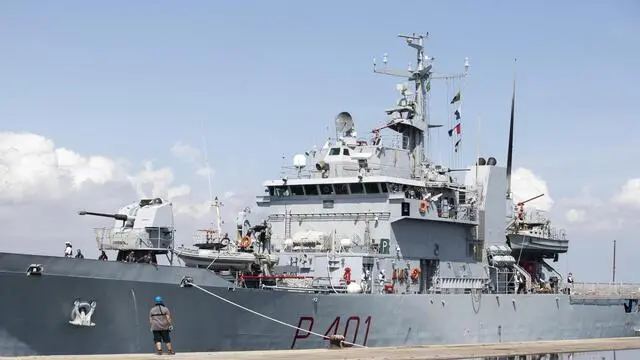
x: 221, y: 298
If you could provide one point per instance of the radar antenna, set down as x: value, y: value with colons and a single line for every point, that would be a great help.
x: 413, y: 127
x: 345, y: 126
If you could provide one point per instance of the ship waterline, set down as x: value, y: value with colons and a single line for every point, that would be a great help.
x: 205, y: 323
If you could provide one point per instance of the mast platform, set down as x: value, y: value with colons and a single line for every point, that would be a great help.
x: 392, y: 353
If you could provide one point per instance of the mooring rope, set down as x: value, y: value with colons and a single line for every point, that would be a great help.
x: 269, y: 317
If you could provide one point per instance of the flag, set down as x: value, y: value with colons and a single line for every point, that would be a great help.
x: 456, y: 98
x: 455, y: 129
x: 457, y: 145
x: 429, y: 85
x: 457, y: 114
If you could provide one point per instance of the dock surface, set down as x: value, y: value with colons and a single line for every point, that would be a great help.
x: 440, y: 352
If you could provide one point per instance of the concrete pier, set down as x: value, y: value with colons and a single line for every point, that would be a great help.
x: 390, y: 353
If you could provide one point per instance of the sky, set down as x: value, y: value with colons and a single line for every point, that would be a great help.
x: 104, y: 102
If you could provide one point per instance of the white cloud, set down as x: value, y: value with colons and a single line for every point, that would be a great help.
x: 606, y: 213
x: 576, y: 216
x: 191, y: 154
x: 205, y: 171
x: 30, y: 165
x: 526, y: 185
x: 629, y: 194
x: 186, y: 152
x: 42, y: 187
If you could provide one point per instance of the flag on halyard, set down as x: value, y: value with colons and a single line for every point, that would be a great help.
x: 455, y: 129
x: 429, y: 85
x: 456, y: 98
x: 458, y: 114
x: 457, y: 145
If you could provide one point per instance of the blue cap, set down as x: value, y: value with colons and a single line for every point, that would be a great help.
x: 158, y: 299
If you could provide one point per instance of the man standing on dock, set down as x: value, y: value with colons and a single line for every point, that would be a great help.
x: 161, y: 325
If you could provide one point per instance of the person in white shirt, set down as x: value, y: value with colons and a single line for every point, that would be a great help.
x: 68, y: 250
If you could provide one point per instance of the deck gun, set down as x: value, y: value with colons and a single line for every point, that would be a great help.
x: 127, y: 221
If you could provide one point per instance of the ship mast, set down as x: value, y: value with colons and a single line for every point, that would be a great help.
x: 217, y: 204
x: 413, y: 126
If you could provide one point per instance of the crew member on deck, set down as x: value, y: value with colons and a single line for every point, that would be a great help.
x: 569, y: 283
x: 516, y: 283
x: 79, y: 254
x: 103, y: 256
x: 68, y: 249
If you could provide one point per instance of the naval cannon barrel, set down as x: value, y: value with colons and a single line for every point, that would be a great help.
x: 121, y: 217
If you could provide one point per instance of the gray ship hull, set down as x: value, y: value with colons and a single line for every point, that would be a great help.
x: 35, y: 313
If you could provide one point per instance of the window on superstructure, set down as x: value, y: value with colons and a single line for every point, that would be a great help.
x: 371, y: 188
x: 282, y: 191
x: 334, y: 151
x: 311, y: 189
x: 383, y: 186
x: 326, y: 189
x: 341, y: 189
x: 345, y: 152
x: 297, y: 190
x: 271, y: 191
x: 471, y: 250
x: 356, y: 188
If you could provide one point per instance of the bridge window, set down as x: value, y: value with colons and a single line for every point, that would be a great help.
x: 334, y: 151
x: 372, y: 188
x: 311, y: 189
x: 280, y: 191
x: 297, y: 190
x: 384, y: 187
x: 341, y: 189
x: 356, y: 188
x: 345, y: 152
x: 326, y: 189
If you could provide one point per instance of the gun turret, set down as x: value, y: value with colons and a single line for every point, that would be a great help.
x: 121, y: 217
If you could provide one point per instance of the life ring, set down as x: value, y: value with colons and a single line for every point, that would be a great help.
x: 245, y: 242
x: 415, y: 274
x: 424, y: 205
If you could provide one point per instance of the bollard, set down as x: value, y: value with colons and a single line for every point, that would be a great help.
x: 336, y: 342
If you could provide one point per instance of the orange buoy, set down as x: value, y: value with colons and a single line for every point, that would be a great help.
x: 415, y: 274
x: 424, y: 205
x: 245, y: 242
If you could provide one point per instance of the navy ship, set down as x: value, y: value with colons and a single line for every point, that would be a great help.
x: 366, y: 240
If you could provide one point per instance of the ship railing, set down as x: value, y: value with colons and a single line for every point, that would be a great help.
x: 345, y: 170
x: 558, y: 234
x: 605, y: 290
x: 539, y: 216
x: 132, y: 239
x: 287, y: 282
x: 201, y: 237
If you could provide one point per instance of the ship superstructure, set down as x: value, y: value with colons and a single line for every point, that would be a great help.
x: 385, y: 217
